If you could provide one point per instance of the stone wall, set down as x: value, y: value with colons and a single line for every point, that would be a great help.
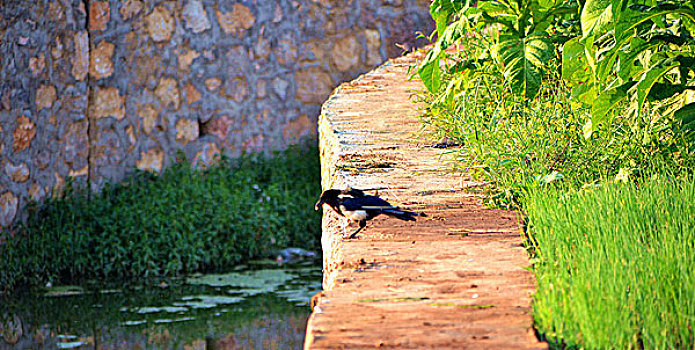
x: 94, y: 89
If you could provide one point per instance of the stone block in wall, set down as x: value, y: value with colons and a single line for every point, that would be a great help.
x: 74, y: 143
x: 286, y: 50
x: 281, y: 87
x: 313, y: 85
x: 151, y: 160
x: 186, y: 57
x: 99, y: 15
x: 80, y: 62
x: 107, y: 102
x: 213, y: 84
x: 37, y: 64
x: 191, y: 94
x: 299, y: 128
x: 373, y: 40
x: 160, y: 24
x: 17, y: 173
x: 45, y: 96
x: 167, y: 92
x: 195, y: 17
x: 101, y: 65
x: 346, y: 53
x: 235, y: 88
x: 228, y: 131
x: 208, y: 155
x: 130, y: 8
x: 24, y: 133
x: 8, y: 208
x: 235, y: 21
x: 187, y: 130
x: 149, y: 117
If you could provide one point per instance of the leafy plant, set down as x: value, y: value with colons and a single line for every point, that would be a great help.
x: 630, y: 74
x: 516, y: 39
x: 493, y: 79
x: 631, y: 55
x: 183, y: 221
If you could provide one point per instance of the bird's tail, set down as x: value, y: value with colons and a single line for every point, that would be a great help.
x: 402, y: 214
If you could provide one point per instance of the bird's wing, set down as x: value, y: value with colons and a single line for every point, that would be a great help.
x: 366, y: 203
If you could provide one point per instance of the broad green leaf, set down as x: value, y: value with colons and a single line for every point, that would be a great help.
x: 429, y: 72
x: 429, y: 68
x: 456, y: 5
x: 507, y: 21
x: 589, y: 51
x: 575, y: 69
x: 440, y: 15
x: 686, y: 115
x: 606, y: 55
x: 523, y: 59
x: 452, y: 34
x: 632, y: 18
x: 499, y: 8
x: 545, y: 5
x: 443, y: 10
x: 605, y: 103
x: 649, y: 79
x: 596, y: 16
x: 455, y: 87
x: 584, y: 93
x: 626, y: 67
x: 662, y: 91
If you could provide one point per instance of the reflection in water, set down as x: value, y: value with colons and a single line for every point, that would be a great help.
x: 261, y: 307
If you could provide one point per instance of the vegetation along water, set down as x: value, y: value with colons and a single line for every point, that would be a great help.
x: 166, y: 260
x: 183, y: 221
x: 581, y: 114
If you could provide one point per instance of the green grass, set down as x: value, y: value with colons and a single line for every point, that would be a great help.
x: 615, y: 266
x: 516, y: 145
x: 185, y: 220
x: 614, y: 263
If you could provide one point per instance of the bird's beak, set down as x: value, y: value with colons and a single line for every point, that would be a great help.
x: 318, y: 204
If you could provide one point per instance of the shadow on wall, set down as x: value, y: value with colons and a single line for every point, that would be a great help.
x: 92, y: 89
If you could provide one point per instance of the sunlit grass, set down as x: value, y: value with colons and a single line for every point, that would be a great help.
x: 615, y: 265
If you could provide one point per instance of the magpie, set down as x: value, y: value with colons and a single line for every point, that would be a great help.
x: 359, y: 207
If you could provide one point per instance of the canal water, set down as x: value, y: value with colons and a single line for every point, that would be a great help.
x: 257, y: 306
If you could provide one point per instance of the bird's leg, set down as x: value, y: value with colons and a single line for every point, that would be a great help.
x: 363, y: 223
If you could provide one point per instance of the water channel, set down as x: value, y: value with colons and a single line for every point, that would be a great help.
x: 261, y: 305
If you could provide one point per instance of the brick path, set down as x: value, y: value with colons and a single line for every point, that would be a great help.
x: 453, y: 280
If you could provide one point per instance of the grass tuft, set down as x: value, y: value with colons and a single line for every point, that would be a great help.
x: 614, y: 265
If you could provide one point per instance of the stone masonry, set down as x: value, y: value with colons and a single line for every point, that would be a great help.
x: 91, y: 90
x: 456, y: 279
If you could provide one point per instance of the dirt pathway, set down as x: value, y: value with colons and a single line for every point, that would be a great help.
x: 453, y: 280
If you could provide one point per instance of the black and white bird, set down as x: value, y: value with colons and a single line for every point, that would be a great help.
x: 358, y: 207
